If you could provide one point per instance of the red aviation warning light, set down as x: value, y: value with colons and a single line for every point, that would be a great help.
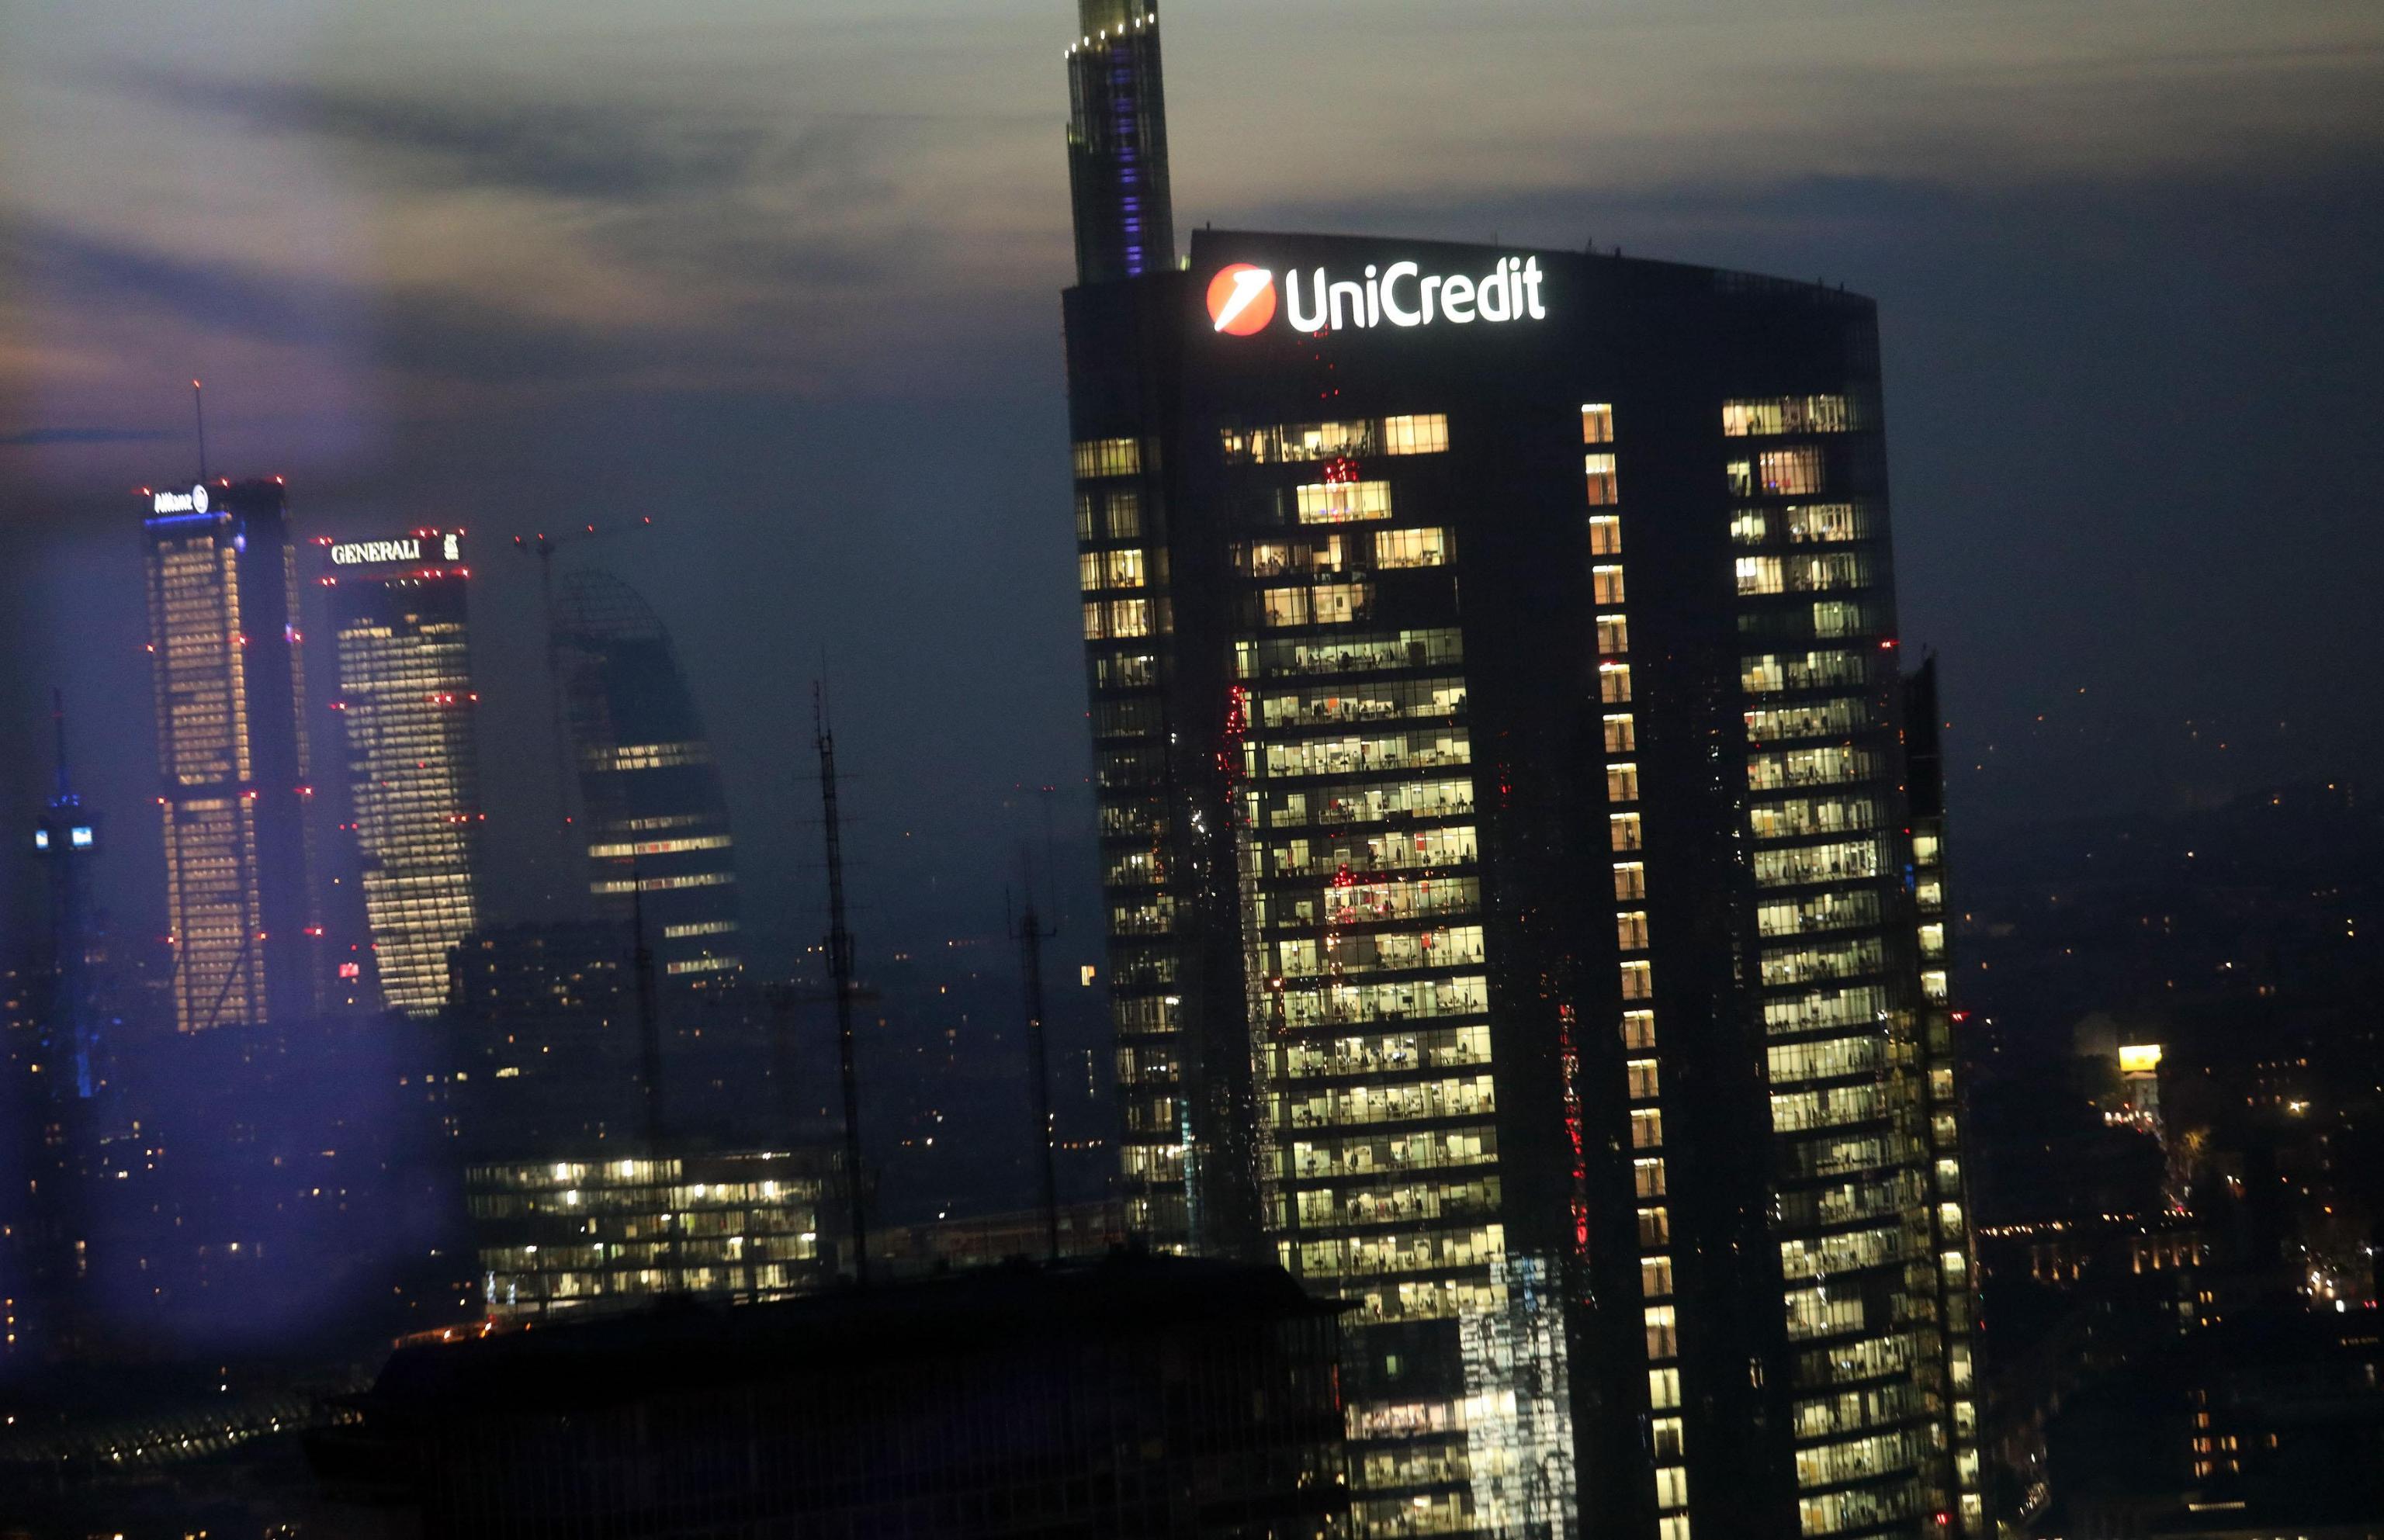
x: 1241, y: 299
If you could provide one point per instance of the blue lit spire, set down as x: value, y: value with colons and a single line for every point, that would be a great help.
x: 1117, y: 143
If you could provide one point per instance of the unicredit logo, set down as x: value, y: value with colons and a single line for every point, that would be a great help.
x: 1242, y: 297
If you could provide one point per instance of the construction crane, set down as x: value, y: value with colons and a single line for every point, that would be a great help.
x: 544, y: 546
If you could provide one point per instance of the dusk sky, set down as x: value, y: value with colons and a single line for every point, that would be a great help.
x: 784, y: 277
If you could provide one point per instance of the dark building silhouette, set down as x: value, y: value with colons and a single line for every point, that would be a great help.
x: 60, y: 1039
x: 68, y: 840
x: 544, y: 1019
x: 1525, y: 918
x: 1130, y: 1396
x: 652, y: 817
x: 402, y: 649
x: 228, y: 652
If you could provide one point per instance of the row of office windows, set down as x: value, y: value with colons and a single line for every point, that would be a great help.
x: 1305, y: 442
x: 1802, y: 523
x: 1799, y: 816
x: 1274, y: 657
x: 1642, y: 1076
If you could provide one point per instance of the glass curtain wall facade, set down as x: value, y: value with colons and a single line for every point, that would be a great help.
x: 655, y: 821
x: 1517, y: 910
x: 228, y: 655
x: 407, y: 709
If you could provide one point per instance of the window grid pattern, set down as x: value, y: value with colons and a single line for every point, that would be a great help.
x: 1122, y: 568
x: 1861, y: 1301
x: 1643, y: 1062
x: 207, y: 669
x: 408, y: 707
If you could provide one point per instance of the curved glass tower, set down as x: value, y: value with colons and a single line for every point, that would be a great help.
x: 1523, y: 873
x: 652, y: 816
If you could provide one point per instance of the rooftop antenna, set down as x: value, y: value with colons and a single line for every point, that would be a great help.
x: 544, y: 548
x: 839, y: 963
x: 649, y: 1050
x: 1031, y: 936
x: 199, y: 407
x: 58, y: 726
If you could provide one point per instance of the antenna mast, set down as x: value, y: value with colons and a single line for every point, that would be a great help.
x: 1031, y: 936
x: 839, y: 963
x: 58, y: 724
x: 199, y: 406
x: 650, y: 1056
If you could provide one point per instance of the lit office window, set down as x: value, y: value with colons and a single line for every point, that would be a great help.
x: 1788, y: 472
x: 1604, y: 489
x: 1420, y: 434
x: 1336, y: 502
x: 1410, y: 548
x: 1108, y: 456
x: 1597, y: 424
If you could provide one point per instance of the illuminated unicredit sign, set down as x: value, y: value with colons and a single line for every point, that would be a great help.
x: 1243, y: 298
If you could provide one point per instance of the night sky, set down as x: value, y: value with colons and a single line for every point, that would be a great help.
x: 783, y: 278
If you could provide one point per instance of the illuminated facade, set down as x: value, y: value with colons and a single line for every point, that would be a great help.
x: 587, y: 1236
x: 407, y: 708
x: 1521, y: 918
x: 653, y: 814
x: 231, y: 746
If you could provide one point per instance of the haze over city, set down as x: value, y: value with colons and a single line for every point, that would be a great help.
x: 1507, y: 771
x: 782, y: 280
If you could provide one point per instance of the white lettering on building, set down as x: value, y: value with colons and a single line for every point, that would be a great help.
x: 376, y: 550
x: 1403, y: 294
x: 192, y: 502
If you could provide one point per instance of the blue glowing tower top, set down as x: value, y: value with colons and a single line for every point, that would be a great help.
x: 1117, y: 143
x: 66, y: 839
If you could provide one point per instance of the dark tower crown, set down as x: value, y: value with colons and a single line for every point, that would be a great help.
x: 1117, y: 143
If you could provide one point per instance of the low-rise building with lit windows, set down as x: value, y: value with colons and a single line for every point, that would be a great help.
x: 586, y: 1236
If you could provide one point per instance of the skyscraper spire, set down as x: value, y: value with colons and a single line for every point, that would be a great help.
x: 65, y: 798
x: 1117, y: 143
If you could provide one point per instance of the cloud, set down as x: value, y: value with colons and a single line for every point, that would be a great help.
x: 44, y: 437
x: 559, y: 149
x: 622, y: 151
x: 423, y: 330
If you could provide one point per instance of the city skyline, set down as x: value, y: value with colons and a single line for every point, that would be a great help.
x: 1583, y: 731
x: 2017, y: 180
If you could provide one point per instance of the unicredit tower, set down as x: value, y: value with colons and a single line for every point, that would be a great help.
x: 1522, y: 855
